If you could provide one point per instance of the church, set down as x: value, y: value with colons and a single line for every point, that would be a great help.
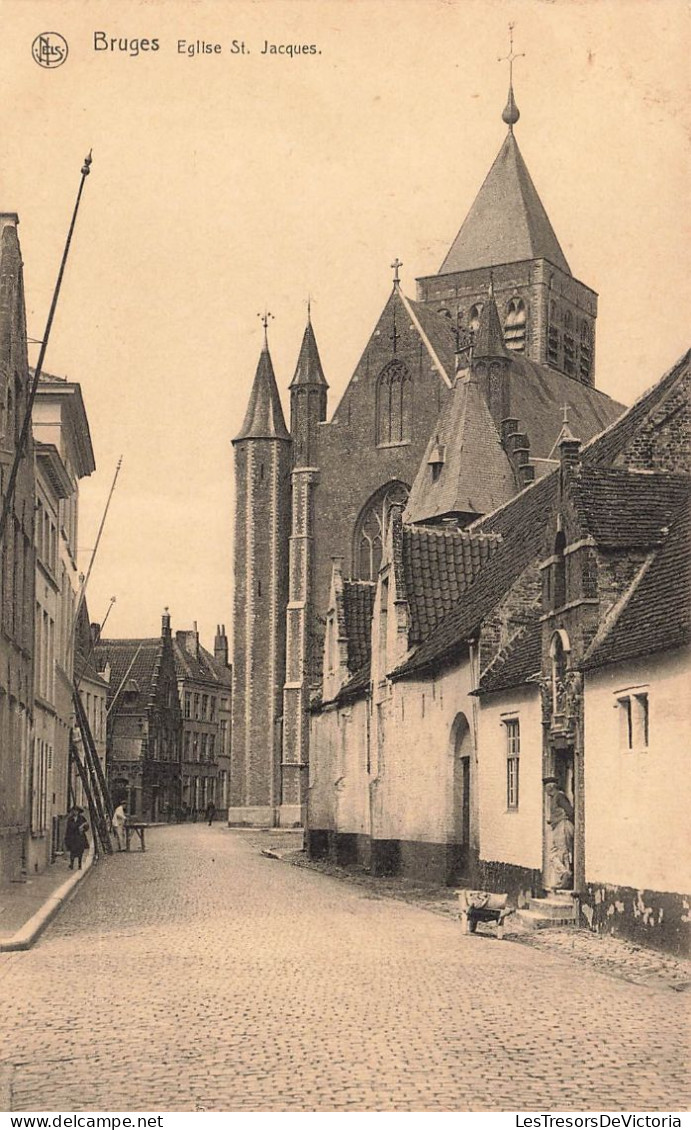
x: 461, y: 615
x: 457, y: 403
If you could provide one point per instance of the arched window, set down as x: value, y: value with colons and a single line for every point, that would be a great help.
x: 474, y: 317
x: 394, y: 394
x: 553, y: 335
x: 559, y: 649
x: 370, y: 529
x: 586, y: 357
x: 514, y: 326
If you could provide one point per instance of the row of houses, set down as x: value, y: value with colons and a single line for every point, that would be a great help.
x: 44, y: 619
x: 154, y: 713
x: 169, y: 708
x: 542, y: 651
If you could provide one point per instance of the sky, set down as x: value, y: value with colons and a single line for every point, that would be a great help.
x: 224, y: 184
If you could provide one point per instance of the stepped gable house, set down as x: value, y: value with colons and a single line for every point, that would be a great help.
x: 144, y: 726
x: 456, y: 404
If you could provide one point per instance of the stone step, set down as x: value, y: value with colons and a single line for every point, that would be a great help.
x: 535, y: 920
x: 551, y: 907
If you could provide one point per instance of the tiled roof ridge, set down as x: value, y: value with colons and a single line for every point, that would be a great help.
x: 451, y: 532
x: 663, y: 388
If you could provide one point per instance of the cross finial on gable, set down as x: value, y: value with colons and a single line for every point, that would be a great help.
x: 396, y: 266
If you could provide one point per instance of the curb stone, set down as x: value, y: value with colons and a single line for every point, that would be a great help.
x: 30, y: 932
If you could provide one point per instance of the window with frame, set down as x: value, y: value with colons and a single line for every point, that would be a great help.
x: 513, y: 754
x: 634, y: 721
x: 370, y: 530
x: 515, y: 325
x: 394, y: 394
x: 188, y: 704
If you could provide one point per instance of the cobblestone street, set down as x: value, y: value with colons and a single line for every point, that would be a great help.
x: 204, y: 976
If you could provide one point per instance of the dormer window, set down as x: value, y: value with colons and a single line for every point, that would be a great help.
x: 437, y: 459
x: 515, y: 324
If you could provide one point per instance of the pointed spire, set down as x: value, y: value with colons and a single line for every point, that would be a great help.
x: 264, y: 417
x: 308, y: 370
x: 489, y: 337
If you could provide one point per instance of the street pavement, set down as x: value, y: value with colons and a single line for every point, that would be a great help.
x: 202, y: 975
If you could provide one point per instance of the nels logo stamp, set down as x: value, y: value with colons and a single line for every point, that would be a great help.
x: 49, y: 49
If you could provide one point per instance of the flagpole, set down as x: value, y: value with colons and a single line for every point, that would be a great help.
x: 21, y: 443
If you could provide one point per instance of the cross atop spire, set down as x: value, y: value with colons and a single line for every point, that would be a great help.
x: 265, y: 318
x: 396, y: 266
x: 511, y: 112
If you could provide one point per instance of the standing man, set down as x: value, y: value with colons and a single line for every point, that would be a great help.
x: 560, y: 822
x: 119, y: 821
x: 210, y: 812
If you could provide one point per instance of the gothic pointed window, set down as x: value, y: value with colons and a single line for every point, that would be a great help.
x: 370, y: 529
x: 474, y: 317
x: 553, y: 336
x: 394, y: 410
x: 514, y: 326
x: 586, y: 356
x: 569, y: 346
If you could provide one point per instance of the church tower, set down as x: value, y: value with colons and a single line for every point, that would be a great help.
x: 308, y: 394
x: 262, y: 519
x: 546, y: 314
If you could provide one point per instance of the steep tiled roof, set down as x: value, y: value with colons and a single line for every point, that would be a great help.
x: 620, y: 508
x: 356, y: 687
x: 655, y: 614
x: 358, y: 602
x: 120, y: 654
x: 438, y: 566
x: 515, y: 664
x: 309, y: 367
x: 200, y: 666
x: 488, y: 340
x: 537, y: 396
x: 521, y: 523
x: 507, y: 222
x: 476, y: 475
x: 615, y: 439
x: 264, y: 416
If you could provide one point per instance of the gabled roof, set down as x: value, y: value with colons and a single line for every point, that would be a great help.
x: 85, y: 666
x: 655, y: 614
x: 537, y: 396
x: 308, y: 370
x: 621, y: 508
x: 521, y: 523
x: 438, y: 567
x: 144, y: 656
x: 200, y: 667
x: 264, y: 417
x: 476, y: 475
x: 515, y: 664
x: 358, y: 603
x: 437, y: 334
x: 613, y: 442
x: 507, y: 222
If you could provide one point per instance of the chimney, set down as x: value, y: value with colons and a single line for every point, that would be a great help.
x: 95, y: 633
x: 165, y: 624
x: 221, y: 645
x: 569, y: 452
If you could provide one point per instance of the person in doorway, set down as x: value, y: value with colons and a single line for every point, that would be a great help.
x: 119, y: 821
x: 560, y: 823
x: 210, y: 812
x: 75, y: 835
